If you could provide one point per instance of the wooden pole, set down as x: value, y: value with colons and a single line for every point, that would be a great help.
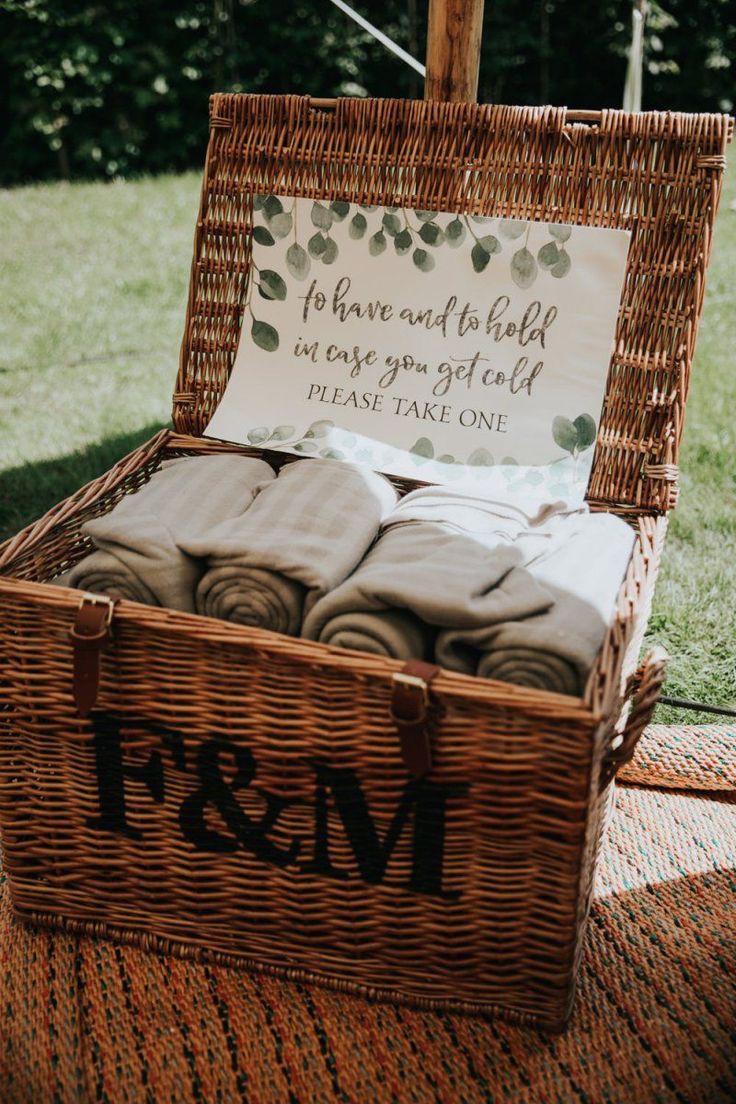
x: 453, y: 49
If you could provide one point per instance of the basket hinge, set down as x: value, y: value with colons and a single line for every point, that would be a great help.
x: 90, y: 635
x: 412, y: 713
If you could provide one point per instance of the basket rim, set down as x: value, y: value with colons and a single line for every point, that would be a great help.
x: 450, y: 685
x: 591, y: 707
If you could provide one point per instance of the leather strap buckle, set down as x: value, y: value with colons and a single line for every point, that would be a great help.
x: 410, y: 711
x: 418, y: 690
x: 89, y: 635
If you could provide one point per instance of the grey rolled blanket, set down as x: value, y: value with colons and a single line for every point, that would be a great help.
x: 137, y: 545
x: 555, y: 648
x: 445, y: 561
x: 525, y: 598
x: 303, y: 535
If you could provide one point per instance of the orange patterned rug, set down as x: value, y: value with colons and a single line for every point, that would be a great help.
x: 685, y: 757
x: 655, y: 1021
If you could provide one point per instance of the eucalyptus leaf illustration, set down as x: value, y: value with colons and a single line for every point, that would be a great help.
x: 455, y: 233
x: 317, y: 244
x: 574, y: 437
x: 282, y: 433
x: 511, y: 230
x: 263, y: 236
x: 422, y: 450
x: 377, y: 243
x: 339, y: 209
x: 332, y: 454
x: 565, y: 434
x: 586, y: 429
x: 280, y: 225
x: 265, y: 336
x: 272, y: 206
x: 432, y: 234
x: 258, y: 201
x: 533, y: 478
x: 480, y: 219
x: 423, y: 260
x: 523, y: 268
x: 330, y: 250
x: 426, y: 216
x: 305, y: 446
x: 403, y: 242
x: 297, y: 261
x: 481, y: 458
x: 369, y: 207
x: 321, y: 216
x: 358, y: 226
x: 258, y: 435
x: 563, y: 266
x: 509, y: 462
x: 271, y: 285
x: 491, y: 244
x: 562, y: 233
x: 548, y: 256
x: 391, y: 224
x: 320, y: 428
x: 480, y: 257
x: 446, y: 458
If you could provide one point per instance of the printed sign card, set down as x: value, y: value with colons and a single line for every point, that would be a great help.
x: 443, y: 347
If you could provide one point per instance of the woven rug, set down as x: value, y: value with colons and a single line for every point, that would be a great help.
x: 684, y: 757
x: 84, y: 1020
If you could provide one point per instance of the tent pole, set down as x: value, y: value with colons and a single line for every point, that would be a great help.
x: 453, y: 49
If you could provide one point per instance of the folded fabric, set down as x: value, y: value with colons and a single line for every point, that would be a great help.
x: 555, y: 648
x: 137, y: 545
x: 447, y: 561
x: 303, y: 535
x: 484, y: 517
x: 395, y: 633
x: 252, y: 596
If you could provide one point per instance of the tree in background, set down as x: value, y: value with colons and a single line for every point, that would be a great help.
x: 120, y: 87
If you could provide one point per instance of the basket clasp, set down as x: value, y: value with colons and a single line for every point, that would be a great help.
x: 90, y: 635
x: 410, y: 710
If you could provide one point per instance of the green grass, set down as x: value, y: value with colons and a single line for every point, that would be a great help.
x: 93, y: 282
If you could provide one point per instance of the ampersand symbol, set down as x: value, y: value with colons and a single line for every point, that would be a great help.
x: 216, y: 791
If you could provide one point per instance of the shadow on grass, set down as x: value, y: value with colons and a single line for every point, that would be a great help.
x: 28, y: 491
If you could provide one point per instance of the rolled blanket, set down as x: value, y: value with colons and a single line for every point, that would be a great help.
x: 445, y: 560
x: 252, y: 596
x: 553, y: 649
x: 138, y: 554
x: 394, y: 633
x: 304, y: 534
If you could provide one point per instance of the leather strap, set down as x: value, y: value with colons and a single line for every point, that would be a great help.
x: 412, y: 713
x: 89, y: 636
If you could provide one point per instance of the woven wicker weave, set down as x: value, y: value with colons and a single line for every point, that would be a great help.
x: 520, y: 778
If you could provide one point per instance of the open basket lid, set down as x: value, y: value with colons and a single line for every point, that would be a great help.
x: 657, y: 175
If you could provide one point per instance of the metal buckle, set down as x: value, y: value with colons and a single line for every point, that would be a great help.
x: 414, y: 682
x: 99, y: 600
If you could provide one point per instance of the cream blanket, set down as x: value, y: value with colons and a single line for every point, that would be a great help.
x: 138, y: 552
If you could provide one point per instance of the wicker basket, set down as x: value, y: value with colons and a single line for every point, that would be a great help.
x: 242, y: 795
